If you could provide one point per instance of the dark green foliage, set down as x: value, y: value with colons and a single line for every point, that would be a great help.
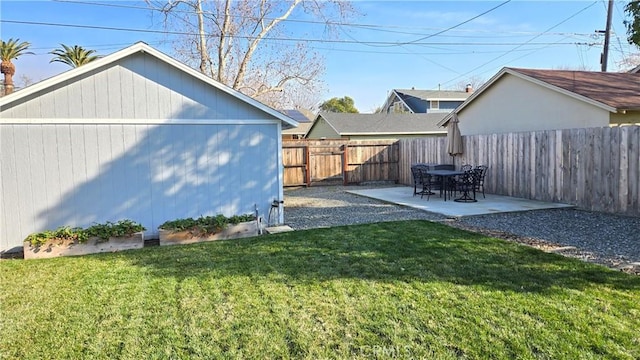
x: 339, y: 105
x: 66, y: 234
x: 237, y: 219
x: 205, y: 224
x: 62, y: 234
x: 122, y: 228
x: 633, y: 24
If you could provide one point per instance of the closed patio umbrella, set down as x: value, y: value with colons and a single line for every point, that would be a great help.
x: 454, y: 139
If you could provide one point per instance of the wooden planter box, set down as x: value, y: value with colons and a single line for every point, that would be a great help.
x: 91, y: 246
x: 241, y: 230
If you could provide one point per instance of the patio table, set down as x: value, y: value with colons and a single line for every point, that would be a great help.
x: 444, y: 174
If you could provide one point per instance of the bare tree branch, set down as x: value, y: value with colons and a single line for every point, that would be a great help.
x: 230, y: 41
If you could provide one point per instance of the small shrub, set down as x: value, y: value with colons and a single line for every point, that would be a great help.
x: 122, y: 228
x: 62, y: 234
x: 205, y: 225
x: 237, y: 219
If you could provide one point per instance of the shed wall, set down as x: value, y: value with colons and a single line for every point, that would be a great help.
x: 76, y: 174
x: 137, y: 87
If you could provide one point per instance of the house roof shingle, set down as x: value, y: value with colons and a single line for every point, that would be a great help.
x: 359, y: 124
x: 608, y: 90
x: 618, y: 90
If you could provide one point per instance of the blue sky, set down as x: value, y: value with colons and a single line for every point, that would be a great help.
x: 375, y: 58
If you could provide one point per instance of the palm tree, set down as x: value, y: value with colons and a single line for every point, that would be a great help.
x: 10, y: 50
x: 73, y: 56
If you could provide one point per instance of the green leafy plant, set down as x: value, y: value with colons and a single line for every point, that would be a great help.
x: 66, y: 234
x: 237, y: 219
x: 122, y: 228
x: 205, y: 225
x: 60, y: 235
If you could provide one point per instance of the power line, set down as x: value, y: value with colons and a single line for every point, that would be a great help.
x: 457, y: 25
x: 521, y: 45
x: 166, y: 32
x: 430, y: 53
x: 372, y: 27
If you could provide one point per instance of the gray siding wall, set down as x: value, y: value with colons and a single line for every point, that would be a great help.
x: 136, y: 87
x: 136, y: 139
x: 61, y: 174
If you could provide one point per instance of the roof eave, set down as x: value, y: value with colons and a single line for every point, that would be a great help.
x: 506, y: 70
x: 561, y: 90
x: 404, y: 102
x: 144, y: 48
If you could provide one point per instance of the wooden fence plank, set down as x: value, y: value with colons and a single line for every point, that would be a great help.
x: 594, y: 168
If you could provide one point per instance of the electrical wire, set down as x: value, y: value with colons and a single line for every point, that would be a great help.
x: 521, y: 45
x: 166, y: 32
x: 364, y: 26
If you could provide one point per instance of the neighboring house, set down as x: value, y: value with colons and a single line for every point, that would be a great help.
x: 424, y: 101
x: 530, y: 100
x: 304, y: 124
x: 135, y: 135
x: 375, y: 126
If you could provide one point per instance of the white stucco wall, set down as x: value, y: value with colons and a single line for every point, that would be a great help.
x: 512, y: 104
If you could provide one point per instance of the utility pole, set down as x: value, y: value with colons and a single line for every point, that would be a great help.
x: 607, y: 35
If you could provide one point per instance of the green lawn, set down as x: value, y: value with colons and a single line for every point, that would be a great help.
x: 409, y: 289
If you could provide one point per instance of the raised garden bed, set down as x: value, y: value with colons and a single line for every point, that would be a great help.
x: 66, y: 241
x: 210, y: 228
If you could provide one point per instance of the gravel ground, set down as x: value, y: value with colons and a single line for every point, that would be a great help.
x: 606, y: 239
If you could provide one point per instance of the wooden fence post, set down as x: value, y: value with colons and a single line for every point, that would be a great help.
x: 345, y: 159
x: 307, y: 170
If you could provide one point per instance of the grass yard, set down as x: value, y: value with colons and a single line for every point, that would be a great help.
x: 411, y: 289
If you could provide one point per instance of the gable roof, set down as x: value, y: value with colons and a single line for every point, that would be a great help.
x: 434, y: 94
x: 411, y: 98
x: 141, y: 47
x: 618, y: 90
x: 614, y: 92
x: 301, y: 130
x: 382, y: 123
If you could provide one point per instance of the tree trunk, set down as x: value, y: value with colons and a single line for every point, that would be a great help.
x: 8, y: 69
x: 222, y: 59
x: 204, y: 54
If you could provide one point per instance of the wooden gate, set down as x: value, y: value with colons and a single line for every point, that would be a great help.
x: 331, y: 162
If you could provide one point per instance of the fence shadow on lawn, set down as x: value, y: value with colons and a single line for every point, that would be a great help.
x: 409, y: 251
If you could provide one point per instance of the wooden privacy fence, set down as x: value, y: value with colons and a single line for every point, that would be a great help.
x: 595, y: 168
x: 317, y: 162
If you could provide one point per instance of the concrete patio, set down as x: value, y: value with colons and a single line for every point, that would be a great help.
x: 403, y: 195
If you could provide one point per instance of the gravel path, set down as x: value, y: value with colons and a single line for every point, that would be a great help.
x: 606, y: 239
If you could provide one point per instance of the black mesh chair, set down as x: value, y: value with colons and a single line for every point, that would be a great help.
x: 466, y: 184
x: 426, y: 182
x: 481, y: 172
x: 466, y: 167
x: 418, y: 176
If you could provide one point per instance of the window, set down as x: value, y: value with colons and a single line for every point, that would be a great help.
x: 435, y: 104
